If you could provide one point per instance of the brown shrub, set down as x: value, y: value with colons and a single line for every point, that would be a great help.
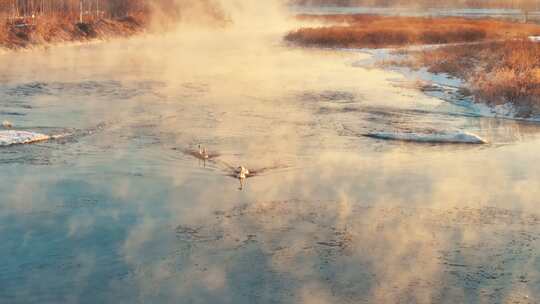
x: 348, y: 37
x: 62, y: 28
x: 452, y: 36
x: 379, y: 31
x: 3, y: 33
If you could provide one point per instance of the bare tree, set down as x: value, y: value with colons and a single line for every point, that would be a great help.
x: 78, y: 8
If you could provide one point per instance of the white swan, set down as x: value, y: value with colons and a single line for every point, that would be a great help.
x: 203, y: 153
x: 242, y: 172
x: 7, y: 125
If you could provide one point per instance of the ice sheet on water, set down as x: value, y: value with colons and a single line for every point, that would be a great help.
x: 432, y: 137
x: 14, y: 137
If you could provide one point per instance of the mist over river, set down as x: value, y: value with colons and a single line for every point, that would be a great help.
x: 121, y: 211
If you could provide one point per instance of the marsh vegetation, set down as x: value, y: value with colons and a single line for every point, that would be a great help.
x: 496, y: 58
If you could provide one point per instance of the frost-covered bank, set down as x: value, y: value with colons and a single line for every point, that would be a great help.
x: 504, y: 75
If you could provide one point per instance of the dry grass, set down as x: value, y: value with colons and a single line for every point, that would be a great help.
x: 496, y: 72
x: 364, y: 31
x: 3, y: 32
x: 59, y: 28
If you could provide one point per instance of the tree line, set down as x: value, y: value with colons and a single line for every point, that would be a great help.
x: 98, y: 8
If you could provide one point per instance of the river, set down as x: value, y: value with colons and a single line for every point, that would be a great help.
x: 121, y: 211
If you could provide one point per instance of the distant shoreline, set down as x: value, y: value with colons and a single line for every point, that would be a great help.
x: 509, y: 14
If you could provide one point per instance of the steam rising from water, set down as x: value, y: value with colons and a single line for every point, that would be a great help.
x: 352, y: 219
x: 240, y: 14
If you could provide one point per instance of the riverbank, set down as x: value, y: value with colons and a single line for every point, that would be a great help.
x: 497, y: 61
x: 368, y: 31
x: 26, y: 33
x: 503, y: 73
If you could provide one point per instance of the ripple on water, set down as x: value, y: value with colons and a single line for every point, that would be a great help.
x: 99, y: 89
x: 330, y: 96
x: 299, y: 241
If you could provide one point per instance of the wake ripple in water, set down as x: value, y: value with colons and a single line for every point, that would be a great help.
x: 332, y: 96
x: 107, y: 88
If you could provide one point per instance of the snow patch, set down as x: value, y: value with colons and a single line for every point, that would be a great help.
x: 457, y: 137
x: 13, y: 137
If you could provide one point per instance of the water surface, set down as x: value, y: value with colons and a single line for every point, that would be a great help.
x: 118, y: 212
